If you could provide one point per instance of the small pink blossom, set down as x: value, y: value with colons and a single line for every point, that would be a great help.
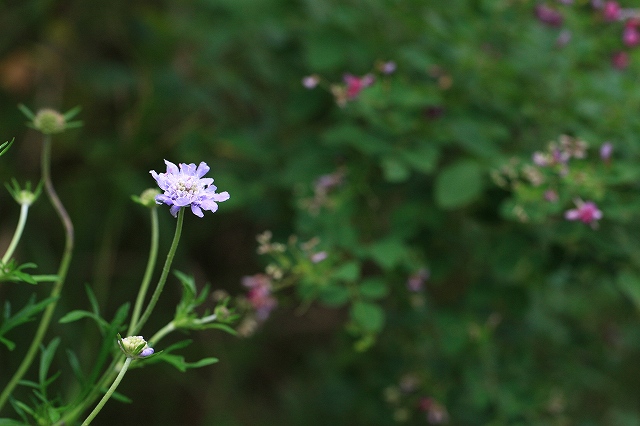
x: 548, y: 15
x: 551, y: 196
x: 563, y: 38
x: 259, y: 294
x: 631, y: 35
x: 611, y: 11
x: 416, y: 281
x: 586, y: 212
x: 620, y: 60
x: 356, y: 84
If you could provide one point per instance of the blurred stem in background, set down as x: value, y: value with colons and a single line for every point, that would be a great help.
x: 62, y: 271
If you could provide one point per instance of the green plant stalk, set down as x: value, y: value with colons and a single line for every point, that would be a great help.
x: 163, y: 277
x: 22, y: 220
x: 107, y: 395
x: 148, y: 273
x: 70, y: 416
x: 62, y: 272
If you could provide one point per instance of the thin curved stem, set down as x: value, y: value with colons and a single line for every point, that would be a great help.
x: 70, y: 416
x: 22, y: 220
x: 107, y: 395
x: 62, y: 272
x: 148, y: 273
x: 163, y: 278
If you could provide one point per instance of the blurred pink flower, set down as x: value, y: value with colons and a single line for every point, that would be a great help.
x: 356, y: 84
x: 586, y: 212
x: 620, y: 60
x: 259, y: 294
x: 611, y: 11
x: 605, y: 151
x: 548, y: 15
x: 631, y: 35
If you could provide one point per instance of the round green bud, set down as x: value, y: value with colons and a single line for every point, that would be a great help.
x: 49, y: 121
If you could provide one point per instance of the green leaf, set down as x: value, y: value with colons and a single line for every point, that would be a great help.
x: 79, y: 314
x: 45, y: 360
x: 349, y: 271
x: 334, y: 295
x: 368, y: 315
x: 459, y: 184
x: 424, y: 159
x: 373, y: 288
x: 387, y: 253
x: 394, y: 170
x: 629, y: 284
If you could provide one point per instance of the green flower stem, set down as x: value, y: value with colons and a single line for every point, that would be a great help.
x: 62, y: 272
x: 22, y: 220
x: 163, y: 278
x: 148, y: 273
x: 173, y: 325
x: 70, y: 416
x: 107, y: 395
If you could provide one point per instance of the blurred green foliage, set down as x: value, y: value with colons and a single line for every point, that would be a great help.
x: 518, y: 323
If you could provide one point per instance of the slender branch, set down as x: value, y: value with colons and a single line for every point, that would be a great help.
x: 163, y: 278
x: 24, y: 212
x: 62, y: 272
x: 107, y: 395
x: 148, y: 273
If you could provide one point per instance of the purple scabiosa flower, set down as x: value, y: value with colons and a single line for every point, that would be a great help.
x: 586, y: 212
x: 187, y: 187
x: 631, y: 35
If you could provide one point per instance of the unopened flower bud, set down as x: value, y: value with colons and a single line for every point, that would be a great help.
x: 49, y: 121
x: 147, y: 198
x: 134, y: 347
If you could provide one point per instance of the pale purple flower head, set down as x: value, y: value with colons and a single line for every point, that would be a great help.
x: 388, y: 67
x: 319, y: 256
x: 606, y: 150
x: 586, y: 212
x: 611, y: 11
x: 311, y: 81
x: 186, y: 187
x: 548, y: 15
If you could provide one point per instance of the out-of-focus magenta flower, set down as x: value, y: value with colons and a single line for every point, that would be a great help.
x: 416, y: 281
x: 630, y: 34
x: 436, y: 412
x: 605, y: 151
x: 548, y: 15
x: 259, y: 294
x: 311, y: 81
x: 620, y: 60
x: 356, y: 84
x: 586, y: 212
x: 611, y: 11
